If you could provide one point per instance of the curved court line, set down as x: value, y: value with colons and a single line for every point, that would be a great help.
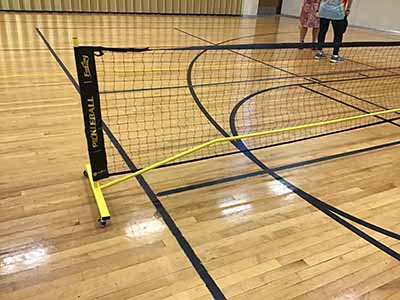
x: 310, y: 82
x: 297, y: 164
x: 232, y: 123
x: 189, y: 252
x: 305, y: 77
x: 137, y: 172
x: 322, y: 206
x: 250, y: 97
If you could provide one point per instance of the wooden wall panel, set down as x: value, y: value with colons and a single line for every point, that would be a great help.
x: 66, y: 5
x: 4, y: 4
x: 47, y: 4
x: 76, y: 5
x: 57, y: 5
x: 103, y: 5
x: 85, y: 5
x: 228, y: 7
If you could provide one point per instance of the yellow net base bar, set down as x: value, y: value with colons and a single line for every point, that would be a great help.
x: 98, y: 188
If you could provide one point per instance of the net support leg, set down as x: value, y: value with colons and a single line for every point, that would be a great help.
x: 98, y: 196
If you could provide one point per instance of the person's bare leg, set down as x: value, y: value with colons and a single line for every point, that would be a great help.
x: 315, y: 35
x: 303, y: 33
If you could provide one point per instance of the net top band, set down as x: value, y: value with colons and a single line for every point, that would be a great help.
x: 249, y: 46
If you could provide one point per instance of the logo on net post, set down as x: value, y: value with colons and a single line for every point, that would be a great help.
x: 85, y: 65
x: 94, y: 138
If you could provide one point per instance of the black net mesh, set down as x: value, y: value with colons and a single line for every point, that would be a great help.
x: 161, y: 102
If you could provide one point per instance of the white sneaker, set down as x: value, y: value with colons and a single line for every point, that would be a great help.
x: 336, y: 59
x: 319, y: 55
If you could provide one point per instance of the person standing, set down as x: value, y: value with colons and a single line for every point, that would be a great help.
x: 335, y: 11
x: 309, y: 19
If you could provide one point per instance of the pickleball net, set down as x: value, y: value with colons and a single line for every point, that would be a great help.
x: 156, y: 101
x: 160, y: 102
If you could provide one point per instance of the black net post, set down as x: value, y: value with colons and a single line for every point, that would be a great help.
x: 89, y: 91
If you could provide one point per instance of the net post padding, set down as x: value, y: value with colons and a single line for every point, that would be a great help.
x: 90, y: 99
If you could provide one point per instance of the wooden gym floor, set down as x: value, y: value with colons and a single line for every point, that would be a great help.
x: 254, y: 237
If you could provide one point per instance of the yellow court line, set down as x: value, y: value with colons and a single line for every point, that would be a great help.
x: 29, y: 75
x: 240, y: 137
x: 184, y: 66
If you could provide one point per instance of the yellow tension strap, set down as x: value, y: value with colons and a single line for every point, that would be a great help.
x: 240, y: 137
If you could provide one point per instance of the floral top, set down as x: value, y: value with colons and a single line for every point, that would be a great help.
x: 308, y: 15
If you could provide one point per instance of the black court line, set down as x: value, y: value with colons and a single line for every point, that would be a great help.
x: 312, y: 81
x: 183, y: 243
x: 239, y: 53
x: 324, y: 207
x: 321, y: 83
x: 250, y: 97
x: 294, y: 74
x: 333, y: 212
x: 372, y: 66
x: 197, y: 264
x: 276, y: 169
x: 211, y: 84
x: 346, y: 104
x: 59, y: 61
x: 266, y: 146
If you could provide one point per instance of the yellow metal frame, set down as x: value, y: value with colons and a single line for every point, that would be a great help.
x: 239, y: 137
x: 97, y: 188
x: 98, y: 196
